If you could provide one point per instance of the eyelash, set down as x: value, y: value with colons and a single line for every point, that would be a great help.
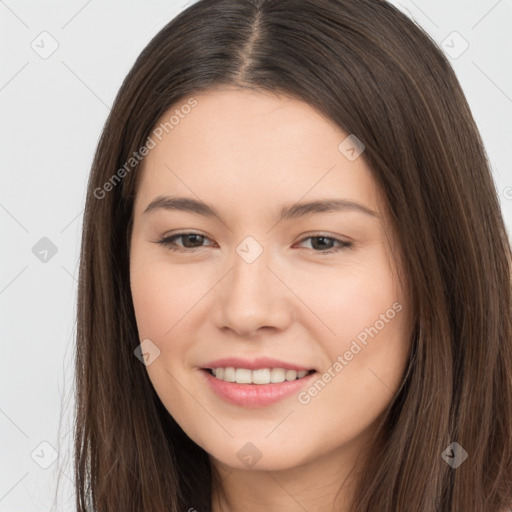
x: 168, y: 242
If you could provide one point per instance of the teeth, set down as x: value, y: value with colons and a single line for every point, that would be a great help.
x: 291, y: 375
x: 277, y: 375
x: 243, y: 376
x: 260, y: 376
x: 229, y: 374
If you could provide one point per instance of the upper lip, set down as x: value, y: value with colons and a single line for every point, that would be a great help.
x: 254, y: 364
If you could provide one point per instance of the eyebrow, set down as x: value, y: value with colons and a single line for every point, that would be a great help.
x: 293, y: 211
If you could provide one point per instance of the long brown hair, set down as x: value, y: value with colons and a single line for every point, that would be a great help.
x: 379, y: 76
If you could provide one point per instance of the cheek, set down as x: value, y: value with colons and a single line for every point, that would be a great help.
x: 153, y: 306
x: 162, y: 295
x: 349, y: 298
x: 366, y: 362
x: 368, y: 344
x: 164, y: 300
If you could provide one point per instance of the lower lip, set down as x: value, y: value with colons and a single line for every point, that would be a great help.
x: 255, y: 395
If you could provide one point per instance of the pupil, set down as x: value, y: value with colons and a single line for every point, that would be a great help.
x: 188, y: 237
x: 322, y: 246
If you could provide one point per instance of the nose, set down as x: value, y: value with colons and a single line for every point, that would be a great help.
x: 252, y: 299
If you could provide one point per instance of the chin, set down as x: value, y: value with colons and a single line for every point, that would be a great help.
x: 260, y: 454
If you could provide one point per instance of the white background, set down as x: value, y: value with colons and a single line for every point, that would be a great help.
x: 52, y: 114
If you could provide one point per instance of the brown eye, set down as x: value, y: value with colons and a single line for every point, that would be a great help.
x: 189, y: 241
x: 326, y: 244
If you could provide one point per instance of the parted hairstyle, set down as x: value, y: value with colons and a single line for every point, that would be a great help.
x: 377, y: 75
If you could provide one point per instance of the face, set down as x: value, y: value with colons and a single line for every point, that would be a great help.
x: 299, y: 305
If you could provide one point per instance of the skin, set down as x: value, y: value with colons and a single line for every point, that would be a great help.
x: 247, y: 154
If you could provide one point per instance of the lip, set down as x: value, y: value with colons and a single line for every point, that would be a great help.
x: 255, y: 395
x: 254, y: 364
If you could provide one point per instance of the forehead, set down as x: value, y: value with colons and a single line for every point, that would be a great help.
x: 254, y: 147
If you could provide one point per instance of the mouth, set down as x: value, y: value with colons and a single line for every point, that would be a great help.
x: 255, y: 388
x: 260, y: 376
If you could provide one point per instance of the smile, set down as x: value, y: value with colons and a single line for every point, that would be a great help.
x: 259, y: 376
x: 260, y: 387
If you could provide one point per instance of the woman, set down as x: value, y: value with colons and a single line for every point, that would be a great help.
x: 295, y: 285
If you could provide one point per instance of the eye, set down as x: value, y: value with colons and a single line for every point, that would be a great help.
x: 324, y: 244
x: 191, y: 241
